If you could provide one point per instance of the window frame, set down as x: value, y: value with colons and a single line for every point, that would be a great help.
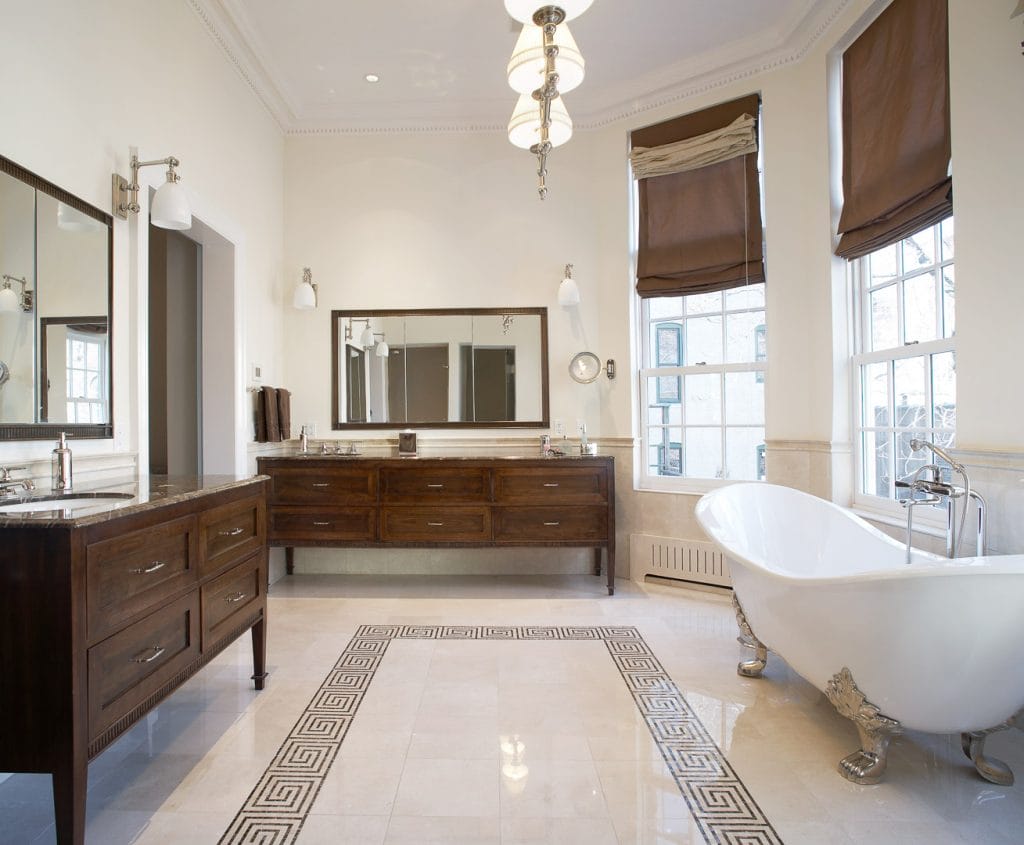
x: 757, y: 365
x: 904, y: 350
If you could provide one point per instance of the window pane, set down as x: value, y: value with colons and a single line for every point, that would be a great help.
x: 883, y: 265
x: 741, y: 336
x: 703, y: 452
x: 744, y: 400
x: 919, y: 308
x: 946, y: 234
x: 909, y: 389
x: 665, y: 451
x: 77, y: 383
x: 907, y: 460
x: 664, y: 307
x: 875, y: 402
x: 703, y: 399
x: 664, y: 390
x: 944, y: 390
x: 703, y: 339
x: 744, y: 453
x: 665, y: 414
x: 92, y: 356
x: 876, y: 449
x: 748, y: 296
x: 77, y: 353
x: 703, y: 303
x: 948, y: 302
x: 883, y: 330
x: 919, y: 250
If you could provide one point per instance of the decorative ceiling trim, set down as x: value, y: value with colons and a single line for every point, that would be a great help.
x: 792, y: 41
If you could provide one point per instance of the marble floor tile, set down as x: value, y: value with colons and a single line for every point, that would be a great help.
x: 524, y: 740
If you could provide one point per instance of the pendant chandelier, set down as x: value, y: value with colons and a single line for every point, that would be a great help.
x: 545, y: 64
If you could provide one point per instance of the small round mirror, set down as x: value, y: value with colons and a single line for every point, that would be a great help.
x: 584, y: 367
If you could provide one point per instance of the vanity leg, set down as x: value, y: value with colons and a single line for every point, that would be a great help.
x: 69, y: 787
x: 611, y: 569
x: 289, y: 560
x: 259, y: 653
x: 597, y: 561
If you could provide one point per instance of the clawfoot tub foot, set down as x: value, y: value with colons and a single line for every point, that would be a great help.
x: 876, y: 731
x: 749, y: 668
x: 993, y: 770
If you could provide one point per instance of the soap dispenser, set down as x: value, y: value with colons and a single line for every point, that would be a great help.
x: 61, y: 477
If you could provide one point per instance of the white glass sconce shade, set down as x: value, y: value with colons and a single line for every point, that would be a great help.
x: 527, y: 65
x: 568, y: 290
x: 383, y: 350
x: 524, y: 126
x: 366, y: 338
x: 170, y: 208
x: 523, y: 10
x: 8, y: 299
x: 304, y: 297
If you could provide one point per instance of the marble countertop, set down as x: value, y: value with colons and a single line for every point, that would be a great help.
x: 291, y: 453
x: 135, y: 496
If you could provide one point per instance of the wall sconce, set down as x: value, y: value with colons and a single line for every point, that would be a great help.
x: 365, y: 337
x: 11, y: 301
x: 383, y: 350
x: 170, y: 208
x: 568, y: 290
x: 305, y: 296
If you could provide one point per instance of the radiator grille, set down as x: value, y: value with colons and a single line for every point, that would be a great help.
x: 684, y: 560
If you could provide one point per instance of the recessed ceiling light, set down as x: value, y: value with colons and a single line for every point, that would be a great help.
x: 372, y: 77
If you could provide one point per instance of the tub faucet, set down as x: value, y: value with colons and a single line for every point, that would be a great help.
x: 954, y: 536
x: 910, y: 504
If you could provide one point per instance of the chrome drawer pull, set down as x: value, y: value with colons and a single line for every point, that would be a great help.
x: 435, y: 486
x: 157, y: 651
x: 233, y: 532
x: 550, y: 483
x: 322, y: 524
x: 435, y: 524
x: 321, y: 484
x: 551, y: 523
x: 153, y: 567
x: 237, y: 597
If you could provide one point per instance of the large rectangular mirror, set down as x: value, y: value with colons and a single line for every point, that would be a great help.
x: 55, y: 303
x: 440, y: 368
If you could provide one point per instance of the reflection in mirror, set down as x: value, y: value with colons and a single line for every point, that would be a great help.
x: 440, y: 368
x: 57, y: 352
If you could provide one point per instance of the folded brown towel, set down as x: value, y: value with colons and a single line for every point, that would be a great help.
x: 261, y: 418
x: 269, y: 395
x: 284, y: 413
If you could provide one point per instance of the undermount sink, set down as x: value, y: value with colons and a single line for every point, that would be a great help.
x: 76, y: 502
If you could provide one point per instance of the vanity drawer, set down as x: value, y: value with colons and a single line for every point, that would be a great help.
x: 566, y: 485
x: 423, y: 485
x: 230, y: 532
x: 323, y: 524
x: 134, y: 664
x: 231, y: 597
x: 128, y: 574
x: 467, y: 524
x: 563, y: 524
x: 319, y: 485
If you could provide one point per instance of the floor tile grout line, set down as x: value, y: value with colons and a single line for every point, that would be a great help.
x: 654, y: 693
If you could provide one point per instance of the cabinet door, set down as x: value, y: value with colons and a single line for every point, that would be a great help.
x: 574, y: 485
x: 428, y: 485
x: 315, y: 484
x: 128, y: 574
x: 232, y: 599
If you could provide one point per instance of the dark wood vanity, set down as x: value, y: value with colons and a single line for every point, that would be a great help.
x: 103, y: 616
x: 442, y: 502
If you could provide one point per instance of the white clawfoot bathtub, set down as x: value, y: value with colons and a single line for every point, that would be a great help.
x: 934, y: 645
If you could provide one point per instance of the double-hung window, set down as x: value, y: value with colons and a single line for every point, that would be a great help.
x: 702, y: 387
x: 905, y: 361
x: 86, y: 376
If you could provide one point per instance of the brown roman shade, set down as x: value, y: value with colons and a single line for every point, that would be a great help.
x: 896, y: 145
x: 700, y: 226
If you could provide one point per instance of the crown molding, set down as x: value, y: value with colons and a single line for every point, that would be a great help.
x: 787, y: 43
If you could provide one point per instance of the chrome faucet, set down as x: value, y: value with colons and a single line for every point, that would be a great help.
x: 9, y: 485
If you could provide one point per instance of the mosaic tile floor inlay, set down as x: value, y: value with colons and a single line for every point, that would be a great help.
x: 722, y: 808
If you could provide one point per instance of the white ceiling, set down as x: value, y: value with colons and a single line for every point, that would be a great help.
x: 442, y: 62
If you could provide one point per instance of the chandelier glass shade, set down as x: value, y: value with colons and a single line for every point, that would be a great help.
x: 526, y: 68
x: 524, y: 10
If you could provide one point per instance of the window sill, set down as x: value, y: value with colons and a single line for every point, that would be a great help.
x: 928, y: 526
x: 685, y: 486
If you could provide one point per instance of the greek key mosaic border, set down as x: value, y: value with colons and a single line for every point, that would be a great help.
x: 722, y: 808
